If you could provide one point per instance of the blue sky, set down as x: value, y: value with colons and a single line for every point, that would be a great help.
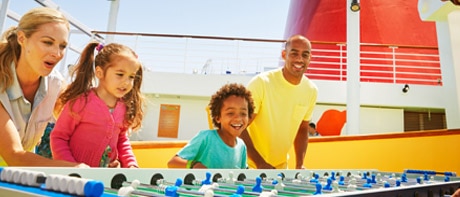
x: 231, y: 18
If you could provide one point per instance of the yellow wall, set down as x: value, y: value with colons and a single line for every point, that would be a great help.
x: 439, y: 153
x: 154, y: 158
x: 437, y: 150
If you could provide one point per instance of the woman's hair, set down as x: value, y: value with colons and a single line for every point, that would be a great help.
x: 10, y: 50
x: 231, y: 89
x: 84, y: 73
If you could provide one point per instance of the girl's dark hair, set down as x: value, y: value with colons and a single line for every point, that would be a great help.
x: 231, y: 89
x: 85, y: 76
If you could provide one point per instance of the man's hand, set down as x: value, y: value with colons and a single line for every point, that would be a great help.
x: 265, y: 165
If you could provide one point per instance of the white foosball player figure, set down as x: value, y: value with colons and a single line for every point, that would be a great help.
x: 298, y: 179
x: 271, y: 193
x: 126, y: 191
x: 207, y: 187
x: 230, y: 179
x: 351, y: 185
x: 335, y: 187
x: 279, y: 186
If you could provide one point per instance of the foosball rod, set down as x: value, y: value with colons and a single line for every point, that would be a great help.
x: 430, y: 172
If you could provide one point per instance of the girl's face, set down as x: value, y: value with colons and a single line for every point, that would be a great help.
x: 119, y: 77
x: 233, y: 118
x: 44, y: 48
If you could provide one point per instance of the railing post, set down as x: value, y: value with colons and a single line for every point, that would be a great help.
x: 136, y: 42
x: 237, y: 57
x: 341, y: 45
x: 393, y: 49
x: 185, y: 54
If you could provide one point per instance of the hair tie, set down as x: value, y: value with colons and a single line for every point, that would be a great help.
x: 99, y: 47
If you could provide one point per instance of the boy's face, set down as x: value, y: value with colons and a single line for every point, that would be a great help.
x: 234, y: 117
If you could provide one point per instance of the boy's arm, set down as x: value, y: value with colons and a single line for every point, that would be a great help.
x: 177, y: 162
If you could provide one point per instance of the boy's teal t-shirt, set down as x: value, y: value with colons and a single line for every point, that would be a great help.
x: 208, y: 148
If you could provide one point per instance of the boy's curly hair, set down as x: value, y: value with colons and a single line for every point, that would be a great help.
x: 217, y: 99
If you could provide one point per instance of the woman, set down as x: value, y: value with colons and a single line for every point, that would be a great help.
x: 29, y: 87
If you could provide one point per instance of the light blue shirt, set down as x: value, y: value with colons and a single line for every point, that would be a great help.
x: 208, y: 148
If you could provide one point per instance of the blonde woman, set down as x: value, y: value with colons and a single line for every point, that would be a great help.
x: 28, y: 85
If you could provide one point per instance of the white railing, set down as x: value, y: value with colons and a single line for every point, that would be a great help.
x: 192, y: 54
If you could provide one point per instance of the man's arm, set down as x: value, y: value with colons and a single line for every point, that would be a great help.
x: 252, y: 152
x: 301, y: 144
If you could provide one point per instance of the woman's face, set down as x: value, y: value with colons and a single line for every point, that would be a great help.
x: 44, y: 48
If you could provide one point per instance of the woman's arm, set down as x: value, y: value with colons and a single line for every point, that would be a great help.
x: 14, y: 154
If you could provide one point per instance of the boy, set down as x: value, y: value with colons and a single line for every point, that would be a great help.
x: 231, y: 106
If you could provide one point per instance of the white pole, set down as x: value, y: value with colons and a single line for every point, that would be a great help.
x: 353, y: 71
x: 112, y: 24
x: 3, y: 12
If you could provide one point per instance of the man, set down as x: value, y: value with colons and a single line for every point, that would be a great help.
x: 312, y: 130
x: 284, y: 99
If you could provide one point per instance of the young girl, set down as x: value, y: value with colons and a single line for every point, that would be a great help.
x: 231, y: 106
x: 94, y: 123
x: 29, y: 86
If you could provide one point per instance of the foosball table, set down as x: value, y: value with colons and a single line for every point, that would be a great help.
x: 28, y: 181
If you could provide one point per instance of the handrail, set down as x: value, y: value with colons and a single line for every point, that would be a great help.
x: 379, y: 63
x: 185, y: 36
x: 251, y: 39
x: 399, y: 46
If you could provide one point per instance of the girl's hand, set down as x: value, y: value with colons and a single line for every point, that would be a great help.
x: 114, y: 164
x: 82, y: 165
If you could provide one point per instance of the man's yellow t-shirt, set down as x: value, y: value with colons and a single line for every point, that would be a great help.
x: 280, y: 107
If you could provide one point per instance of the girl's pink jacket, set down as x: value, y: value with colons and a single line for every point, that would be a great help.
x: 83, y: 133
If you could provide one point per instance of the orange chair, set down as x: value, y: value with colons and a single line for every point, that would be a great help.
x: 331, y: 122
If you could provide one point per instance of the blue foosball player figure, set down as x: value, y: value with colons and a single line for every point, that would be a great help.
x: 333, y: 176
x: 328, y: 185
x: 207, y: 181
x: 342, y: 180
x: 258, y: 186
x: 404, y: 178
x: 398, y: 183
x: 318, y: 189
x: 314, y: 179
x: 239, y: 191
x: 368, y: 183
x: 172, y: 190
x: 386, y: 185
